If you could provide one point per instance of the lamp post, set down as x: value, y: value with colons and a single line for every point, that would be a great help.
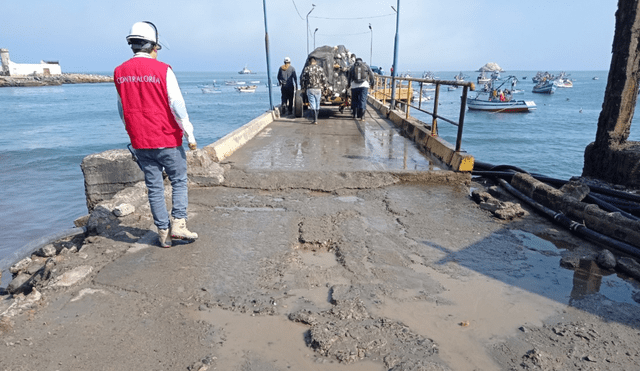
x: 395, y: 58
x: 313, y: 7
x: 266, y: 47
x: 371, y: 49
x: 314, y: 38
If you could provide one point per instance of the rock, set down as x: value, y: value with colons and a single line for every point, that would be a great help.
x: 636, y: 296
x: 606, y: 259
x: 202, y: 170
x: 629, y: 266
x: 81, y: 221
x: 46, y: 251
x: 576, y: 190
x: 20, y: 284
x: 124, y: 210
x: 570, y: 262
x: 20, y: 266
x: 107, y: 173
x: 72, y: 277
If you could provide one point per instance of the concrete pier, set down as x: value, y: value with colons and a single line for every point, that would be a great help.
x: 337, y: 246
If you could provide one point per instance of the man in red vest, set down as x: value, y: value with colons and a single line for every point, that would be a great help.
x: 155, y: 117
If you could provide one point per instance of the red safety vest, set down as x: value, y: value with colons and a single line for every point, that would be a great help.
x: 142, y: 86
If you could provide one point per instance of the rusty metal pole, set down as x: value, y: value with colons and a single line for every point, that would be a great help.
x: 434, y: 122
x: 408, y: 98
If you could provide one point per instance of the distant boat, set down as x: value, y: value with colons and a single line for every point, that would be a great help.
x: 210, y: 91
x: 544, y: 87
x: 562, y: 81
x: 255, y: 82
x: 595, y: 77
x: 245, y: 71
x: 483, y: 79
x: 247, y: 89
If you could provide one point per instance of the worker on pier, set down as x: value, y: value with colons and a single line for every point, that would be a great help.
x: 313, y: 80
x: 288, y: 81
x: 360, y: 79
x: 155, y: 117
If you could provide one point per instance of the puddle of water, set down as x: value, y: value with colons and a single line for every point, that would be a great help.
x: 494, y: 310
x: 272, y: 340
x: 568, y: 285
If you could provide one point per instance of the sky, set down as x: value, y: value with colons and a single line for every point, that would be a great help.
x: 211, y: 35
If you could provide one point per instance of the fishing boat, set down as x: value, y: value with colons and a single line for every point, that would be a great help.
x: 485, y: 102
x: 428, y: 86
x: 495, y: 99
x: 247, y: 89
x: 483, y: 79
x: 544, y: 87
x: 562, y: 81
x: 245, y: 71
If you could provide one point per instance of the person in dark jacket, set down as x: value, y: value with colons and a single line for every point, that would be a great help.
x: 360, y: 80
x: 288, y: 81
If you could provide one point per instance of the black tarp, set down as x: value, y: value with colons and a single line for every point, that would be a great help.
x: 335, y: 60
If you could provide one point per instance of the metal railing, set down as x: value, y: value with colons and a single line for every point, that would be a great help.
x: 404, y: 98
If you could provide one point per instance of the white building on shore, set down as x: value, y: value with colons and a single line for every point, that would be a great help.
x: 10, y: 68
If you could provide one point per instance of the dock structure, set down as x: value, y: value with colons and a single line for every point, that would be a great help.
x: 341, y: 243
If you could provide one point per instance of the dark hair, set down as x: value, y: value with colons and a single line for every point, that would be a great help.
x: 140, y: 45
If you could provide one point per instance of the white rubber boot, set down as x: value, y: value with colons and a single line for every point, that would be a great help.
x: 164, y: 238
x: 179, y: 230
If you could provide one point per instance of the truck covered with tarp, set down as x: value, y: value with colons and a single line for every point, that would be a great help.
x: 336, y: 62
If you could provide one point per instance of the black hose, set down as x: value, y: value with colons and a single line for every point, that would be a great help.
x: 575, y: 227
x: 609, y: 207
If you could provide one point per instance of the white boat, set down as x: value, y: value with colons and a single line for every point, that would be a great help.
x: 247, y: 89
x: 255, y: 82
x: 245, y: 71
x: 483, y: 79
x: 484, y: 101
x: 495, y: 99
x: 562, y: 81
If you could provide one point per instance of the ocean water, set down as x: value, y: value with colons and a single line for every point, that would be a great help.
x: 47, y: 131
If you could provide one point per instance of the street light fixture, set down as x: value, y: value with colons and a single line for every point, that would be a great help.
x: 371, y: 50
x: 313, y: 7
x: 314, y: 38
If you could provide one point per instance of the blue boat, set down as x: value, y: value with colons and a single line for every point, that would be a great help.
x: 545, y: 87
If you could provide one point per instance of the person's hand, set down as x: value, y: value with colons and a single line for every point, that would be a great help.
x: 193, y: 146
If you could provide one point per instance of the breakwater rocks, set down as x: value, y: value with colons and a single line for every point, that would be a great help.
x: 41, y: 80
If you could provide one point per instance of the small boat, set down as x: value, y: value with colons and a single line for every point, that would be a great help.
x: 483, y: 79
x: 562, y: 81
x: 495, y: 99
x: 230, y: 83
x: 247, y: 89
x: 595, y: 78
x: 255, y: 82
x: 485, y: 102
x: 544, y: 87
x: 210, y: 91
x: 245, y: 71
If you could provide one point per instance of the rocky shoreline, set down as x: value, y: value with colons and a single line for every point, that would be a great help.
x: 53, y: 80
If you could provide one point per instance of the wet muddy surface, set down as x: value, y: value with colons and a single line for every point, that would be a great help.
x: 337, y: 272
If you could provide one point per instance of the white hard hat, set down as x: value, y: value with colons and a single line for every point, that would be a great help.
x: 287, y: 60
x: 144, y: 31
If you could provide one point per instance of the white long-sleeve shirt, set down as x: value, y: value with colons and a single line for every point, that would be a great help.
x: 176, y: 102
